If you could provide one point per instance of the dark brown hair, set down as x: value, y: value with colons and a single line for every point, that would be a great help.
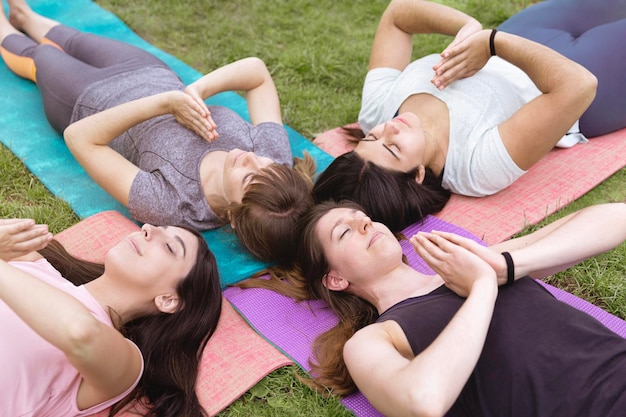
x: 171, y: 344
x: 391, y: 197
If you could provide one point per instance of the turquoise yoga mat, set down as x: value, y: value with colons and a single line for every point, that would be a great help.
x: 26, y: 132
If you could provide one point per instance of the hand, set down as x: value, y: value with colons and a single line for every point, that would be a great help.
x: 19, y: 237
x: 192, y: 112
x: 459, y: 267
x: 465, y: 56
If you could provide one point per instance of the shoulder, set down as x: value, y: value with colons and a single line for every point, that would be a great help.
x: 379, y: 336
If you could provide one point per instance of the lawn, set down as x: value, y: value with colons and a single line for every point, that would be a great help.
x: 317, y: 52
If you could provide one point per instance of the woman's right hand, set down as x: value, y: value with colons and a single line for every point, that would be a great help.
x: 459, y: 267
x: 191, y: 111
x: 19, y: 237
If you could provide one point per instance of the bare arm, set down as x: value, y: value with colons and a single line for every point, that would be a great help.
x: 567, y: 90
x: 88, y: 139
x: 249, y: 75
x: 429, y: 383
x: 107, y: 361
x: 393, y: 42
x: 555, y: 247
x: 567, y: 241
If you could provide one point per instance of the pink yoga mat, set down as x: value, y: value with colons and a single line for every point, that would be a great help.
x: 561, y: 177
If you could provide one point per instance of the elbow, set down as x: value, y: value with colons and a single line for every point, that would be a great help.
x: 69, y: 135
x: 587, y: 86
x: 426, y: 402
x: 83, y: 331
x: 427, y: 408
x: 257, y: 65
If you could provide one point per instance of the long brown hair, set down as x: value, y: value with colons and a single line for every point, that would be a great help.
x: 329, y: 369
x: 266, y: 220
x: 171, y: 344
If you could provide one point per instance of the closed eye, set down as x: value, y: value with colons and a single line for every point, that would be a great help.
x: 246, y: 179
x: 169, y: 248
x: 343, y: 234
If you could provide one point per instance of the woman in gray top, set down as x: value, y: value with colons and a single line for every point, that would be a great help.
x: 153, y: 143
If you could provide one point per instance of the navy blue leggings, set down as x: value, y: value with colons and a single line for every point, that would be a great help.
x: 86, y: 58
x: 592, y: 33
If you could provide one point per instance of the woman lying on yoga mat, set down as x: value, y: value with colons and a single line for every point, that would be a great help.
x: 481, y: 338
x: 122, y: 105
x: 476, y: 117
x: 133, y: 328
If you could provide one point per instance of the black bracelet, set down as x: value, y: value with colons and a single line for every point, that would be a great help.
x: 510, y: 268
x: 492, y: 47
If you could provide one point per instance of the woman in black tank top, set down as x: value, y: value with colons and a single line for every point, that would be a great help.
x: 480, y: 338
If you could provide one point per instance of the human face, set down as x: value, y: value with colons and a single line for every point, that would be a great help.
x: 397, y: 145
x: 155, y: 258
x: 239, y: 168
x: 355, y: 247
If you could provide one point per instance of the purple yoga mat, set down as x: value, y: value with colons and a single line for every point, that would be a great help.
x: 292, y: 327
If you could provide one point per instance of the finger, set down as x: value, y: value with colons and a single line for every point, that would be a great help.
x: 7, y: 222
x: 31, y: 233
x: 464, y: 242
x: 425, y: 248
x: 14, y: 226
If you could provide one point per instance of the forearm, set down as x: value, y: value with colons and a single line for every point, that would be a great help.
x: 550, y: 71
x: 568, y: 241
x: 101, y: 128
x: 243, y: 75
x: 379, y: 360
x: 449, y: 361
x: 53, y: 314
x: 417, y: 16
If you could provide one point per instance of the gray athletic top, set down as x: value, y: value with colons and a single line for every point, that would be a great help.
x: 167, y: 190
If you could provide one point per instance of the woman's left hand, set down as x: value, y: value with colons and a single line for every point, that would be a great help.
x: 465, y: 56
x: 190, y: 111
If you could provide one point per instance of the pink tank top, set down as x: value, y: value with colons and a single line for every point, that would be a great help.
x: 36, y: 378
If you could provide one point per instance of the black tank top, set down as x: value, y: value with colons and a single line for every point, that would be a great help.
x: 541, y: 357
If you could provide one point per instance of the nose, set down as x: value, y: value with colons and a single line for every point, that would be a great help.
x: 149, y: 231
x: 363, y: 223
x: 389, y: 130
x: 250, y: 160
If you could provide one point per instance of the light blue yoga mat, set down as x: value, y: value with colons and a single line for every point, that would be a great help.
x: 26, y: 132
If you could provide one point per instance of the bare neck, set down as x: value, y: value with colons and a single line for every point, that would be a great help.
x: 435, y: 118
x: 398, y: 285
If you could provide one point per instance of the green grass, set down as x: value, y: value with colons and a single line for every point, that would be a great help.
x: 317, y: 52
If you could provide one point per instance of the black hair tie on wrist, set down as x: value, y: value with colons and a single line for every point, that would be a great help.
x: 510, y: 268
x: 492, y: 47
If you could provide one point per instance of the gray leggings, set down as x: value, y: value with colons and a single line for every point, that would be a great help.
x: 592, y: 33
x: 87, y: 59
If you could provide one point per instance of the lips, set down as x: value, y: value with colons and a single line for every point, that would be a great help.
x: 374, y: 238
x: 133, y: 245
x: 237, y: 157
x: 401, y: 120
